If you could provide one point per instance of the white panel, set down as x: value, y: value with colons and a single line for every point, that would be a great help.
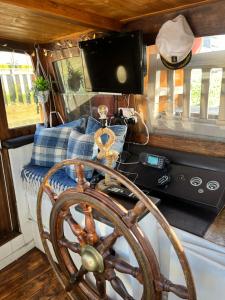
x: 5, y: 250
x: 204, y: 93
x: 187, y: 94
x: 222, y: 100
x: 208, y: 276
x: 17, y: 243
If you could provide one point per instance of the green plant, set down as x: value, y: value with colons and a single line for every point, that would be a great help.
x: 74, y: 79
x: 41, y: 84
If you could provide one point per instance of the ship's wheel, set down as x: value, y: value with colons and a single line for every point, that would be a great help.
x: 97, y: 253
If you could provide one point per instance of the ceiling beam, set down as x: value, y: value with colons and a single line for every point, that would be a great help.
x: 205, y: 20
x: 71, y: 14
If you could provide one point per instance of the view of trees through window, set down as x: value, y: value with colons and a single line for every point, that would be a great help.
x: 16, y: 73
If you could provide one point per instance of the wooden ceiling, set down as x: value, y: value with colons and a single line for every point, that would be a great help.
x: 44, y: 21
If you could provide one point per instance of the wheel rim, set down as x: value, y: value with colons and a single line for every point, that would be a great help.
x: 129, y: 220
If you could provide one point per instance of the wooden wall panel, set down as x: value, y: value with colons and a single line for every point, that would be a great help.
x: 205, y: 20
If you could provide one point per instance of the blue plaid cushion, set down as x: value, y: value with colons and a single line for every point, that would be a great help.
x: 50, y: 146
x: 80, y: 123
x: 120, y: 131
x: 81, y: 146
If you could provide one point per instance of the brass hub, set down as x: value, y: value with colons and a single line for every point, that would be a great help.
x: 91, y: 259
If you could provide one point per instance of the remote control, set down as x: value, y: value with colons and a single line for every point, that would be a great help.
x: 120, y: 191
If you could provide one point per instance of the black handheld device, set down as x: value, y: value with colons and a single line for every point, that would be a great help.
x: 154, y: 161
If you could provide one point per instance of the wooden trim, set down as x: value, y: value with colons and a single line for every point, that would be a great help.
x: 169, y: 10
x: 205, y: 20
x: 75, y: 15
x: 209, y: 148
x: 10, y: 191
x: 13, y: 45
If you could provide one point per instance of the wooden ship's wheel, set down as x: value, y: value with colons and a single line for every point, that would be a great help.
x: 98, y: 253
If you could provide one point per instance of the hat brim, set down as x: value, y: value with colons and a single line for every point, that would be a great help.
x: 179, y: 65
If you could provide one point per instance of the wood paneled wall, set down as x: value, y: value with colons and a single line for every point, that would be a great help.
x: 205, y: 20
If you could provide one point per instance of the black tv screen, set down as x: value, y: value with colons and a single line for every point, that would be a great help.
x: 114, y: 64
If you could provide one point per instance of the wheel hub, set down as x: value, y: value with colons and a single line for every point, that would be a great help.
x: 91, y: 259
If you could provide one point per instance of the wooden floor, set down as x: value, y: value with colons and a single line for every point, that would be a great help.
x: 30, y: 277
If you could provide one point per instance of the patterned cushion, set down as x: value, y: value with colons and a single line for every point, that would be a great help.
x: 81, y: 146
x: 50, y: 146
x: 120, y: 131
x: 80, y: 123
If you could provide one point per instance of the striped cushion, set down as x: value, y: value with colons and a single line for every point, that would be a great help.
x: 81, y: 146
x: 50, y: 146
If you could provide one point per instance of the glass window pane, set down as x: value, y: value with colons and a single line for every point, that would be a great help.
x: 16, y: 73
x: 196, y: 79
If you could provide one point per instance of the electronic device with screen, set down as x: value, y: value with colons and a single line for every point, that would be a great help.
x: 154, y: 161
x: 114, y: 64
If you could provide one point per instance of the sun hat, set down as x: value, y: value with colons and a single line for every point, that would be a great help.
x: 174, y: 41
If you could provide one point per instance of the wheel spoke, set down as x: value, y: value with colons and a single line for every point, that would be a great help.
x: 45, y: 235
x: 76, y: 278
x: 131, y: 217
x: 108, y: 242
x: 76, y: 228
x: 123, y: 267
x: 82, y: 183
x: 51, y: 194
x: 92, y: 236
x: 101, y: 286
x: 118, y: 285
x: 75, y: 247
x: 167, y: 286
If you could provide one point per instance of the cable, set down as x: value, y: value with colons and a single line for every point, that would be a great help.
x: 130, y: 173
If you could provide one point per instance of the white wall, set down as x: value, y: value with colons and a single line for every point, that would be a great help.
x: 24, y: 242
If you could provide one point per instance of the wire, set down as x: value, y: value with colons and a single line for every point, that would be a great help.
x: 125, y: 172
x: 129, y: 173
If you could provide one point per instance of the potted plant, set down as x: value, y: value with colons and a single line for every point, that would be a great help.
x: 41, y: 93
x: 74, y: 79
x: 41, y: 89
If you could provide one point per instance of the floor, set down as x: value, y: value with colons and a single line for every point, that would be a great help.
x: 30, y: 277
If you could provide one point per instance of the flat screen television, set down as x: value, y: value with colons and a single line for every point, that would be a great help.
x: 114, y: 64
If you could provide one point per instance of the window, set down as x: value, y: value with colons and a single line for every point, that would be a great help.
x: 191, y: 101
x: 69, y: 72
x: 16, y: 73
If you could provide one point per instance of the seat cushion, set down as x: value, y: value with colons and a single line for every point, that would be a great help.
x: 81, y: 146
x: 34, y: 175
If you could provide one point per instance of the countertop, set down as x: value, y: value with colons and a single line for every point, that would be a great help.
x: 216, y: 232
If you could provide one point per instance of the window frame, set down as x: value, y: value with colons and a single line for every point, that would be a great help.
x: 5, y: 131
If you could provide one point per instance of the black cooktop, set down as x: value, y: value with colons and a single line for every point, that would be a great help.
x: 196, y: 192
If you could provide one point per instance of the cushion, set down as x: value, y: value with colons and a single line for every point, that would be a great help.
x: 50, y: 146
x: 34, y: 175
x: 120, y: 131
x: 80, y: 123
x: 81, y: 146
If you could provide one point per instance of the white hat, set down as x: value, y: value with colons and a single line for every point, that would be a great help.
x: 174, y: 41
